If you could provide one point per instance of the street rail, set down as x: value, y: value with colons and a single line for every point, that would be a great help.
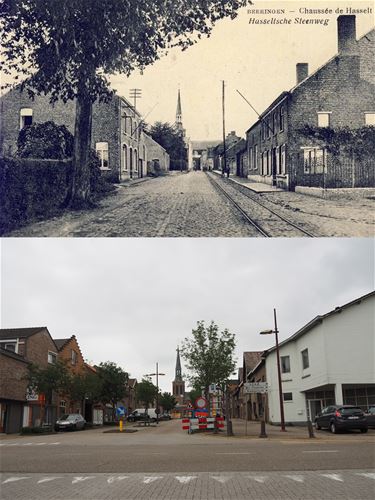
x: 276, y: 226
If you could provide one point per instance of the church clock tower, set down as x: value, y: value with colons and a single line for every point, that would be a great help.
x: 178, y: 385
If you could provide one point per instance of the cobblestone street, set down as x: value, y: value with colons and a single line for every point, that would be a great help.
x: 188, y: 205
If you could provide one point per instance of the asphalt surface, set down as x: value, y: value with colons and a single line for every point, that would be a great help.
x: 167, y: 463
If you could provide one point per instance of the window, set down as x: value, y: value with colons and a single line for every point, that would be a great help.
x: 52, y: 357
x: 251, y: 158
x: 26, y: 117
x: 305, y: 359
x: 287, y: 396
x: 324, y: 119
x: 255, y: 157
x: 102, y: 151
x: 74, y: 357
x: 9, y: 346
x: 370, y: 119
x: 281, y: 118
x: 285, y: 364
x: 314, y: 160
x: 125, y: 158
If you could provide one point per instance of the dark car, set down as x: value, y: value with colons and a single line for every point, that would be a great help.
x: 370, y: 417
x: 71, y: 422
x: 137, y: 415
x: 165, y: 416
x: 341, y: 417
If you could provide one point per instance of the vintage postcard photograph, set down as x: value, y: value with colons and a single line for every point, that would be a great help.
x: 187, y: 118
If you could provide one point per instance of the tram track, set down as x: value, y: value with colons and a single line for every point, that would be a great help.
x: 263, y: 219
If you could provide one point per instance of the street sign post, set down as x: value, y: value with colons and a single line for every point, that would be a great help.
x: 121, y: 412
x: 255, y: 388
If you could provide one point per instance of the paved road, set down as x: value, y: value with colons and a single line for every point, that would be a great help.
x: 305, y: 485
x: 188, y: 205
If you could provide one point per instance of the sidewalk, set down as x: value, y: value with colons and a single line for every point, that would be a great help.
x: 257, y: 187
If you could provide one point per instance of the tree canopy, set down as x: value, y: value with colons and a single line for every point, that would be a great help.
x: 209, y: 355
x: 172, y: 141
x: 146, y: 392
x: 167, y: 401
x: 66, y: 49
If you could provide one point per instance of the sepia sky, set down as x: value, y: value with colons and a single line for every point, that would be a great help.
x: 132, y: 301
x: 259, y: 61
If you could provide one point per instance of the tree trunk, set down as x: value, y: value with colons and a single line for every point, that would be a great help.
x: 80, y: 186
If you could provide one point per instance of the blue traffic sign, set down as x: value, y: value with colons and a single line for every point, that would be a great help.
x: 121, y: 411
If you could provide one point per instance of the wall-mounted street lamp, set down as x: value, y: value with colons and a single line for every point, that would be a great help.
x: 276, y: 331
x: 157, y: 374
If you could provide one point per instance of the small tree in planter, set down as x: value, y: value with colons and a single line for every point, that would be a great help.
x: 146, y: 392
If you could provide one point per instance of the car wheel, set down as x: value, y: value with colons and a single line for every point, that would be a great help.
x: 317, y: 426
x: 364, y: 430
x: 333, y: 428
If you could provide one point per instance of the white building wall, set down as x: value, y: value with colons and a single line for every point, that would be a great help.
x: 341, y: 351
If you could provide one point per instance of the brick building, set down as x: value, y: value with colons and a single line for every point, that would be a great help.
x: 157, y: 158
x: 230, y: 152
x: 70, y: 353
x: 18, y: 348
x: 199, y: 157
x: 245, y: 405
x: 117, y: 130
x: 340, y: 93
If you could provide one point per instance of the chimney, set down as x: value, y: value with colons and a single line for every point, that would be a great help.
x: 346, y: 36
x: 302, y: 70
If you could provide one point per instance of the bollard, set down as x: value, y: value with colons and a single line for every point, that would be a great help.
x: 120, y: 425
x: 310, y: 429
x: 263, y: 429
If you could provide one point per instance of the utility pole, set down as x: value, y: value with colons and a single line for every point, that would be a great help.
x: 224, y: 167
x: 135, y: 94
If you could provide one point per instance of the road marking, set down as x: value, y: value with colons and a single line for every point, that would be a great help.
x: 298, y: 479
x: 151, y: 479
x: 258, y: 479
x: 185, y: 479
x: 50, y: 444
x: 320, y: 451
x: 335, y: 477
x: 47, y: 479
x: 236, y: 453
x: 221, y: 479
x: 27, y: 444
x: 79, y: 479
x: 371, y: 475
x: 39, y: 444
x: 13, y: 479
x: 112, y: 479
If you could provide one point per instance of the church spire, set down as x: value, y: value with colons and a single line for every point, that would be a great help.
x: 179, y: 109
x: 178, y: 374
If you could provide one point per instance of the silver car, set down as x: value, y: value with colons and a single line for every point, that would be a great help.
x: 71, y: 422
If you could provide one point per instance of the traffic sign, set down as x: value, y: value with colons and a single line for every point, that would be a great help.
x: 120, y: 411
x: 255, y: 387
x: 200, y: 402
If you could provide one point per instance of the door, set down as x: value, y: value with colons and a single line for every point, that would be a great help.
x: 26, y: 416
x: 273, y: 166
x: 315, y: 407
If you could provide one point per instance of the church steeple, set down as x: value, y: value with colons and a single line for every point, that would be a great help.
x: 178, y: 374
x: 179, y: 111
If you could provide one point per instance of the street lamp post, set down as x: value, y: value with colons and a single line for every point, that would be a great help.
x: 276, y: 331
x: 157, y: 389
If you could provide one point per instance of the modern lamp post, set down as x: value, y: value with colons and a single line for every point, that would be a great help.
x: 276, y: 331
x: 157, y: 374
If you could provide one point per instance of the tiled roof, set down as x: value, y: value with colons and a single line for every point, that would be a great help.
x: 60, y: 343
x: 198, y: 145
x: 14, y: 333
x: 13, y: 355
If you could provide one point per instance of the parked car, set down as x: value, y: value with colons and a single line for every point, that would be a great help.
x: 165, y: 416
x: 341, y: 417
x: 370, y: 417
x: 141, y: 414
x: 70, y: 421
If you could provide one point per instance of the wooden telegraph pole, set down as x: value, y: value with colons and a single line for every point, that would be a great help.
x: 224, y: 145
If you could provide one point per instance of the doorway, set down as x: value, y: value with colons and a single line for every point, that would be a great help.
x: 314, y: 407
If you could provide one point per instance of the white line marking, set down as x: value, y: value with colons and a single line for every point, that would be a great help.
x: 320, y: 451
x: 52, y: 443
x: 151, y: 479
x: 47, y: 479
x: 258, y: 479
x: 39, y: 444
x: 298, y: 479
x: 112, y: 479
x: 13, y: 479
x: 27, y: 444
x: 236, y: 453
x: 371, y: 475
x: 335, y: 477
x: 81, y: 478
x: 221, y: 479
x: 185, y: 479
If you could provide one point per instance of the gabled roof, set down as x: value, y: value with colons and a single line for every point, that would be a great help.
x: 60, y: 343
x: 251, y: 359
x: 132, y: 382
x: 198, y: 145
x: 13, y: 355
x: 16, y: 333
x: 319, y: 319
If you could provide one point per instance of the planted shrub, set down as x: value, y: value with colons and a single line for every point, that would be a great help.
x: 45, y: 141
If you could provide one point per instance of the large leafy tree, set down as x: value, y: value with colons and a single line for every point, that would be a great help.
x: 146, y: 392
x: 112, y: 380
x: 65, y: 48
x: 167, y: 401
x: 172, y: 141
x: 209, y: 355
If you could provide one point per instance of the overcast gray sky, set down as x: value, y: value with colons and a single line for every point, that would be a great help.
x: 132, y: 301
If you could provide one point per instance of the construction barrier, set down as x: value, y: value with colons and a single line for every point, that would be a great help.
x: 202, y: 423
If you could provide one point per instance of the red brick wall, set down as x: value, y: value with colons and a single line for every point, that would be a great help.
x: 12, y: 372
x: 37, y: 347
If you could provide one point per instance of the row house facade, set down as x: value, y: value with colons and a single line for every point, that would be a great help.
x: 117, y: 130
x: 158, y: 158
x: 340, y: 93
x: 244, y: 405
x: 19, y: 347
x: 230, y: 154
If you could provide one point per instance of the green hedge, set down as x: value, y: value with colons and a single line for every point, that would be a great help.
x: 31, y: 189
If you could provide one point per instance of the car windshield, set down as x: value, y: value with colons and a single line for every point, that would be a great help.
x: 68, y: 417
x: 350, y: 410
x: 372, y: 410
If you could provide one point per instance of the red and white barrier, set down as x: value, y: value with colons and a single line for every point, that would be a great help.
x: 202, y: 423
